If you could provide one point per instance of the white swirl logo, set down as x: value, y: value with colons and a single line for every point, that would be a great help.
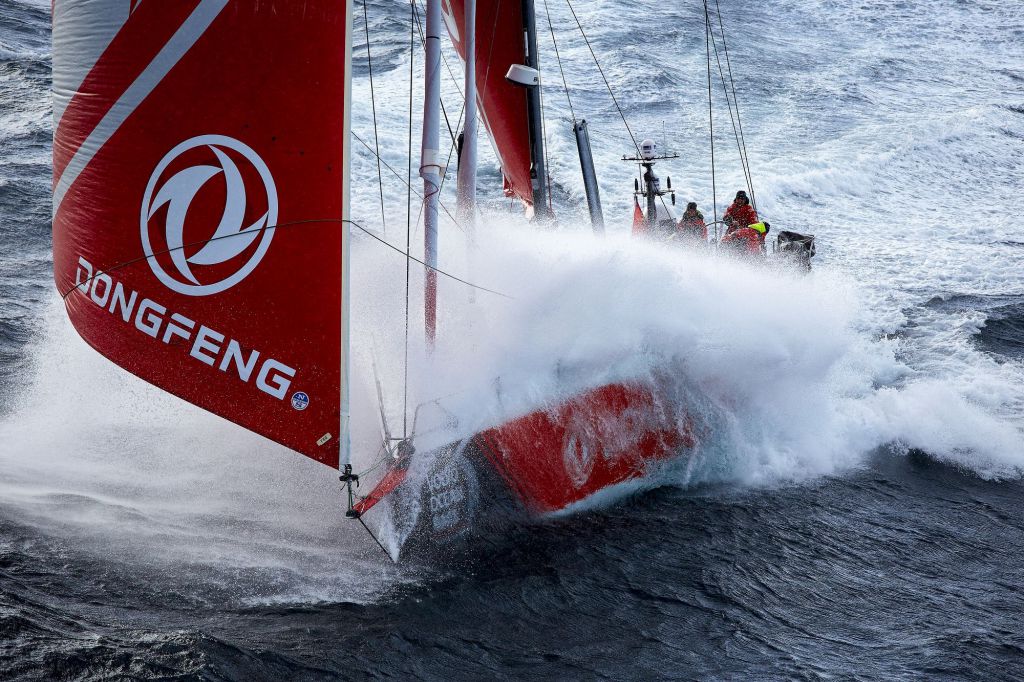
x: 217, y: 246
x: 578, y: 460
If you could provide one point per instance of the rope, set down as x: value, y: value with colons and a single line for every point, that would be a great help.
x: 558, y: 58
x: 711, y: 119
x: 439, y: 271
x: 403, y: 181
x: 408, y: 225
x: 603, y: 77
x: 729, y: 104
x: 380, y: 460
x: 448, y: 162
x: 732, y: 118
x: 743, y: 140
x: 373, y: 105
x: 294, y: 223
x: 547, y: 160
x: 367, y: 528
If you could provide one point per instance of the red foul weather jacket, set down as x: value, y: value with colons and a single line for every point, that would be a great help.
x: 744, y: 240
x: 742, y: 215
x: 693, y: 226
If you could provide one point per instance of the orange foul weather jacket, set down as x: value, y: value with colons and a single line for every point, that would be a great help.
x: 741, y: 215
x: 693, y: 226
x: 744, y: 240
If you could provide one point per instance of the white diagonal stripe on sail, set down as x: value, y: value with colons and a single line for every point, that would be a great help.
x: 82, y: 30
x: 176, y: 48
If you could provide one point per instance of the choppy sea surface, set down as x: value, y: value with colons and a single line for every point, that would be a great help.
x: 859, y: 516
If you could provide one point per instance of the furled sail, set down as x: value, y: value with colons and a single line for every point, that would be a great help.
x: 503, y: 106
x: 200, y: 153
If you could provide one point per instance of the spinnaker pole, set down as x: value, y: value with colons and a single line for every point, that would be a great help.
x: 541, y: 207
x: 430, y: 165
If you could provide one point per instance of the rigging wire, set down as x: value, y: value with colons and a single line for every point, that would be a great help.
x: 451, y: 150
x: 547, y: 160
x: 732, y: 83
x: 711, y: 118
x: 482, y: 92
x: 404, y: 182
x: 558, y: 58
x: 728, y: 101
x: 414, y: 259
x: 373, y: 106
x: 295, y: 223
x: 363, y: 523
x: 729, y: 106
x: 603, y: 77
x: 408, y: 223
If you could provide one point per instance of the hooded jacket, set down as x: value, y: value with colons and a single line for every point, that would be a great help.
x: 740, y: 216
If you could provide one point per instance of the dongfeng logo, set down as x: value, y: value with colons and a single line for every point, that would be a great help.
x: 201, y: 247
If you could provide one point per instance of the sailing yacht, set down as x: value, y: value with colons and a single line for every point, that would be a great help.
x: 201, y: 221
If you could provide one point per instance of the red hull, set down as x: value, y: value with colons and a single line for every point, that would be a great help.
x: 551, y: 459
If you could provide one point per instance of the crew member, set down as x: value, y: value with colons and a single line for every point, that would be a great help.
x: 691, y: 225
x: 741, y: 214
x: 747, y: 241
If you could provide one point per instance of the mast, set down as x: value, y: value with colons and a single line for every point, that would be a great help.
x: 652, y: 185
x: 468, y: 152
x: 430, y: 168
x: 541, y: 208
x: 651, y: 190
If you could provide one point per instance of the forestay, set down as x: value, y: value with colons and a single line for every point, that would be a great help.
x: 200, y: 153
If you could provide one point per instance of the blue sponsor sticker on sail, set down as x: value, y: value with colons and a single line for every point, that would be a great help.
x: 300, y: 400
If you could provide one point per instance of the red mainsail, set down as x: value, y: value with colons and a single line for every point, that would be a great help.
x: 500, y: 43
x: 200, y: 150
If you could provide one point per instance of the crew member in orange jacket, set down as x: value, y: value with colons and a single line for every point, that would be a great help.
x: 691, y: 225
x: 741, y: 214
x: 747, y: 241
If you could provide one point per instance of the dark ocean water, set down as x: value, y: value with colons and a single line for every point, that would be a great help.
x: 905, y: 564
x: 905, y: 570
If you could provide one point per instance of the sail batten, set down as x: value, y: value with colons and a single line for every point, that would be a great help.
x: 188, y: 139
